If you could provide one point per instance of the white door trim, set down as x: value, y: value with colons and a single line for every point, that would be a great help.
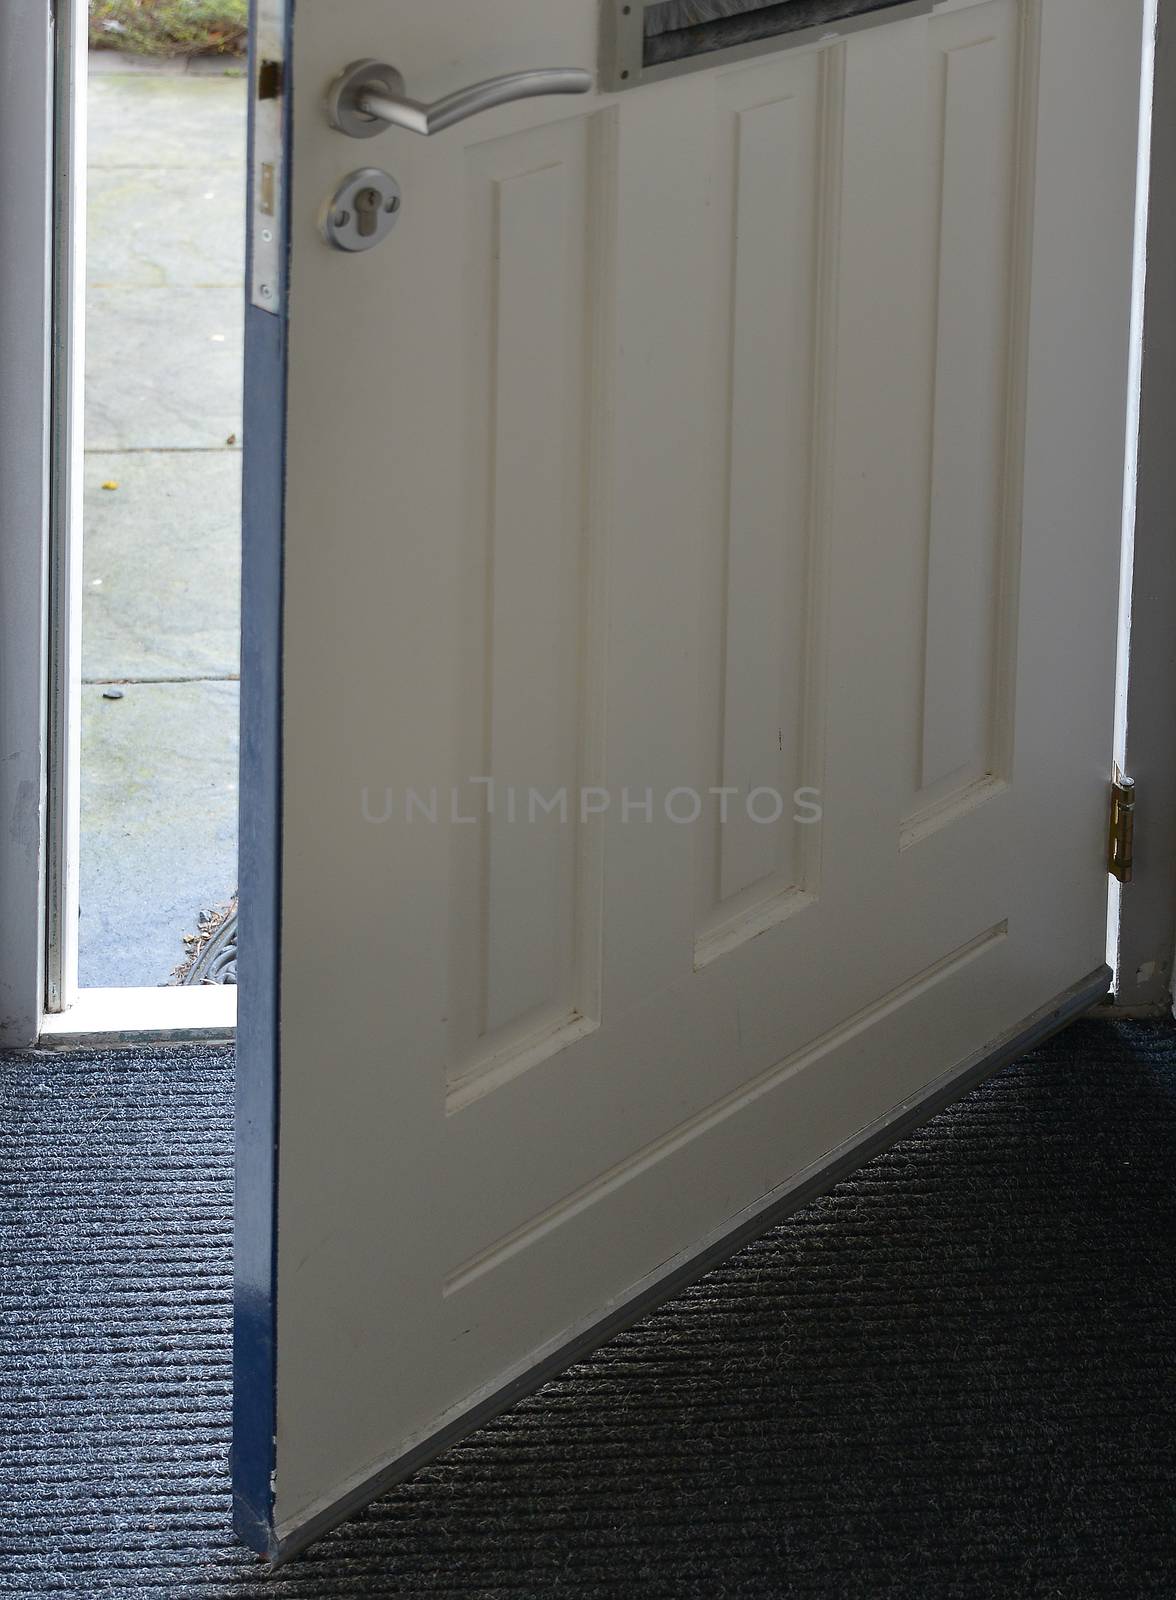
x: 104, y: 1019
x: 67, y: 423
x: 26, y: 170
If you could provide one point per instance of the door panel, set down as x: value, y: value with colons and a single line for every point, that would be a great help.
x: 756, y: 433
x: 971, y: 521
x: 523, y: 961
x: 760, y: 636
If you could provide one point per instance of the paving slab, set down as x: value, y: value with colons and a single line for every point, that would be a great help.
x: 159, y: 824
x: 161, y: 553
x: 159, y: 120
x: 103, y: 63
x: 154, y: 228
x: 161, y: 557
x: 163, y: 367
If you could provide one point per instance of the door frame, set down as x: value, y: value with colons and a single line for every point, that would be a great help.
x: 35, y: 45
x: 26, y: 266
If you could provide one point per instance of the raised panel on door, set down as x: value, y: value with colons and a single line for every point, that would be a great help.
x: 751, y: 435
x: 776, y: 164
x: 525, y: 943
x: 981, y: 176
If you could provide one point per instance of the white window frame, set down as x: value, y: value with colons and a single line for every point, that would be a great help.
x: 40, y: 550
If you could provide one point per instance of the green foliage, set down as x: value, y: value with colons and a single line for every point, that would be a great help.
x: 170, y: 27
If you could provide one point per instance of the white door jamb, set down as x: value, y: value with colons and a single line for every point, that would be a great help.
x: 26, y: 198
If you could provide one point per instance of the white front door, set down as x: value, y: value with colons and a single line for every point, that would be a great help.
x: 685, y: 715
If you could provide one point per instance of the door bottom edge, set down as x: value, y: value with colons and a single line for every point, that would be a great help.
x: 287, y: 1543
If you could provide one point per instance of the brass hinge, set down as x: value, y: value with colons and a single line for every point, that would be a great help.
x: 1121, y: 841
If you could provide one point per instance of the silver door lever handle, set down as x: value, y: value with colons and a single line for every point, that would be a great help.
x: 369, y: 96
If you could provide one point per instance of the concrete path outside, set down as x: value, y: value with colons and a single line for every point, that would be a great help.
x: 162, y: 549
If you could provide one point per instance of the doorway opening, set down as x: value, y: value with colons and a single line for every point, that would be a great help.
x: 152, y: 166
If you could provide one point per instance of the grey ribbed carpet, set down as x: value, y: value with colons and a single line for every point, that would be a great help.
x: 954, y: 1376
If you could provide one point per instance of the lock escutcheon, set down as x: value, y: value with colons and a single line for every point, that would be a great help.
x: 363, y: 210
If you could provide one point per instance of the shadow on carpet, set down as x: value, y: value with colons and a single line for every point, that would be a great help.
x: 953, y: 1376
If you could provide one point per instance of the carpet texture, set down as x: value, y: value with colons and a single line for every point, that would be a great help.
x: 953, y: 1376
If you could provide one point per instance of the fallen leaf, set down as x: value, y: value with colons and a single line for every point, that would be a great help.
x: 110, y: 484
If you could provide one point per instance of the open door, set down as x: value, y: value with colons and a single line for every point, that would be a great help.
x: 682, y: 549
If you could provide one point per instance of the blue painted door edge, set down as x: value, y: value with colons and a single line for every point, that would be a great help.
x: 260, y: 850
